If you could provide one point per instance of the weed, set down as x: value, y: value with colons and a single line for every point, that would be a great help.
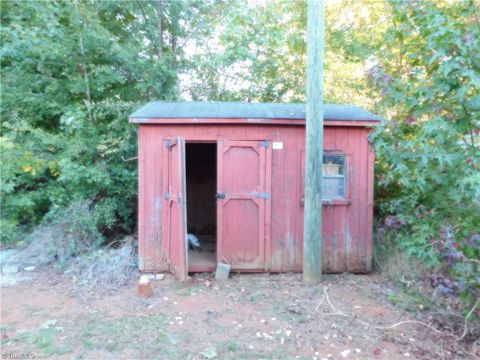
x: 88, y: 344
x: 232, y: 346
x: 255, y: 297
x: 394, y: 299
x: 61, y: 350
x: 42, y: 339
x: 105, y: 269
x: 185, y: 292
x: 143, y: 333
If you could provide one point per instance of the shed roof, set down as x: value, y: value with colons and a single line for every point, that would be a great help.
x: 239, y: 110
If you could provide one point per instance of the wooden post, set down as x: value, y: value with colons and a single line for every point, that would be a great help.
x: 312, y: 239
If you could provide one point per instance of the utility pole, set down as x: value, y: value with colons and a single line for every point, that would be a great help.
x: 312, y: 238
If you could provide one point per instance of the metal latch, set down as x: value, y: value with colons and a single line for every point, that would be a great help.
x: 220, y: 195
x: 263, y: 195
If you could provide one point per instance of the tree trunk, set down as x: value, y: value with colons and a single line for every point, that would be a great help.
x: 160, y: 28
x: 83, y: 69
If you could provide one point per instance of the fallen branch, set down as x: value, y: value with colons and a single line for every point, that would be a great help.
x: 408, y: 322
x: 336, y: 311
x: 466, y: 320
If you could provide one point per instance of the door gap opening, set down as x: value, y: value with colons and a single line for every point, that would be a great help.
x: 201, y: 183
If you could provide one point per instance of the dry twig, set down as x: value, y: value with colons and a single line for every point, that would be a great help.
x: 466, y: 320
x: 336, y: 311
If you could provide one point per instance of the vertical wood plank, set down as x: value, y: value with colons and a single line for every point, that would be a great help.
x: 166, y: 190
x: 369, y: 207
x: 363, y: 201
x: 141, y: 197
x: 342, y: 212
x: 268, y: 208
x: 220, y: 181
x: 157, y: 200
x: 329, y: 212
x: 279, y: 240
x: 149, y: 188
x: 353, y: 226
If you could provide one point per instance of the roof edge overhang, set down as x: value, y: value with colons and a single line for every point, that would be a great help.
x: 251, y: 121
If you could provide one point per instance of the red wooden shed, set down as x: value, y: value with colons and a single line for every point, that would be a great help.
x: 232, y: 174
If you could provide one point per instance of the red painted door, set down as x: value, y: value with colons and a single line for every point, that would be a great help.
x: 175, y: 230
x: 242, y: 196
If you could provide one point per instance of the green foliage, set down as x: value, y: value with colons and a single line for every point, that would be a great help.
x: 73, y: 71
x: 429, y: 154
x: 394, y: 299
x: 256, y: 51
x: 80, y: 222
x: 71, y: 74
x: 232, y: 346
x: 44, y: 172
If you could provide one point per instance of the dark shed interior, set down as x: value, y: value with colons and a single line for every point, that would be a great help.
x: 201, y: 181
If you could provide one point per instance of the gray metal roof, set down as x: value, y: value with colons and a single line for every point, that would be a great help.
x: 161, y: 109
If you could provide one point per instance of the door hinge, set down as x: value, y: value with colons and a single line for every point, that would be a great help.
x: 264, y: 143
x: 263, y: 195
x: 170, y: 143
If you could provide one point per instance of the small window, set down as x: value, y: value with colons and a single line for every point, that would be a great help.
x: 333, y: 176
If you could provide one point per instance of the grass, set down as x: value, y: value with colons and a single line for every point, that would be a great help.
x: 186, y: 292
x: 405, y: 273
x: 394, y: 299
x: 256, y: 297
x: 146, y: 335
x: 138, y: 332
x: 182, y: 289
x: 89, y: 344
x: 3, y: 330
x: 44, y: 341
x: 232, y: 346
x: 282, y: 314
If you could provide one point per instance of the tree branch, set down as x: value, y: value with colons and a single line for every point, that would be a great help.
x: 145, y: 18
x: 84, y: 69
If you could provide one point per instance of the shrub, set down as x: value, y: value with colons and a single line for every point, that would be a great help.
x: 79, y: 228
x: 9, y: 232
x: 428, y: 154
x: 105, y: 269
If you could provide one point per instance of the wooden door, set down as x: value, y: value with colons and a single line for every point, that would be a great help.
x: 242, y: 201
x: 175, y: 222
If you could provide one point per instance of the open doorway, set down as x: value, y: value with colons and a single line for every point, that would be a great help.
x: 201, y: 181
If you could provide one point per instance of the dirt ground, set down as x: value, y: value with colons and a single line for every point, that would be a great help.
x: 252, y: 316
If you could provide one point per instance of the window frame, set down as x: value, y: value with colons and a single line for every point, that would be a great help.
x: 344, y: 176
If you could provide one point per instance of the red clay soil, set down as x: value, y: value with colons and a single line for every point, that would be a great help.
x: 263, y: 316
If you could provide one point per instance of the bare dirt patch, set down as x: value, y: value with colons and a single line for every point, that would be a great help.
x: 252, y: 316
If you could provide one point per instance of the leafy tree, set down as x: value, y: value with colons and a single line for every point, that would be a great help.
x: 428, y: 72
x: 71, y: 74
x: 73, y: 70
x: 251, y: 51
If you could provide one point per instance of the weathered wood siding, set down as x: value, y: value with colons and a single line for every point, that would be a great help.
x: 347, y: 225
